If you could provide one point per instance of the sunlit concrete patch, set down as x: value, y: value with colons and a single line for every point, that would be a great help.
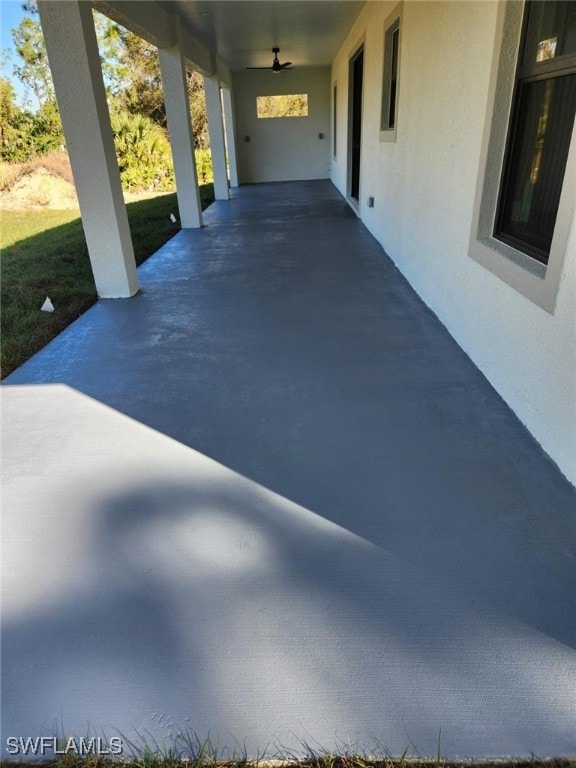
x: 375, y: 548
x: 148, y: 588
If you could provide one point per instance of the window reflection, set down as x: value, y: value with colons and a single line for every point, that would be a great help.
x: 546, y: 49
x: 546, y: 113
x: 551, y: 30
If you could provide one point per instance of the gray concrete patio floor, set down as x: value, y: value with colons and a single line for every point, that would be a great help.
x: 271, y: 499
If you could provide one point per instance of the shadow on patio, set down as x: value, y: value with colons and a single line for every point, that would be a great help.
x: 410, y: 569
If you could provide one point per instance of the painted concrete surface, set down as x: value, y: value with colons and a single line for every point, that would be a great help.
x: 424, y: 187
x: 271, y: 499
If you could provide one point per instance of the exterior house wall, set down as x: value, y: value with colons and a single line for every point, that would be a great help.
x: 283, y: 149
x: 424, y: 187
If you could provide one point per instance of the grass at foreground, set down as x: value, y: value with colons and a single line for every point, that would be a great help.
x: 44, y: 254
x: 322, y: 761
x: 187, y: 750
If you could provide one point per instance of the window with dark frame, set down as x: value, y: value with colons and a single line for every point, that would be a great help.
x: 540, y: 129
x: 390, y: 76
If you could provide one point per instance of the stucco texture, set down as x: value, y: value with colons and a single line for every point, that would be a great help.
x: 424, y: 188
x: 283, y: 149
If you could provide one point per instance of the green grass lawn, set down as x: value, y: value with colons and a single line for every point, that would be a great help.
x: 44, y: 254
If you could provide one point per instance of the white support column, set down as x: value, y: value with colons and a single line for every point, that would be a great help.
x: 180, y: 129
x: 72, y: 49
x: 216, y: 131
x: 230, y: 130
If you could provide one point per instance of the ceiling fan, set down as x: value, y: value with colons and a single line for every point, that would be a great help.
x: 276, y: 66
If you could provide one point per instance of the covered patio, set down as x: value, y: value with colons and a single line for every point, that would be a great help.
x: 270, y: 499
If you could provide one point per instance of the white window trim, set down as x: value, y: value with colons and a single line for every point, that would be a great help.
x: 537, y: 282
x: 389, y: 134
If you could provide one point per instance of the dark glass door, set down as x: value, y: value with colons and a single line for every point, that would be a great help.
x: 357, y: 80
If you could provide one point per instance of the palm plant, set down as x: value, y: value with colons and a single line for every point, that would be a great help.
x: 143, y: 152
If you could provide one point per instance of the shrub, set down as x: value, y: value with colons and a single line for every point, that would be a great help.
x: 24, y: 134
x: 204, y: 165
x: 142, y: 149
x: 143, y: 153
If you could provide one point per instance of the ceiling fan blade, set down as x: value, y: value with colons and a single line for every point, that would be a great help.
x: 276, y: 66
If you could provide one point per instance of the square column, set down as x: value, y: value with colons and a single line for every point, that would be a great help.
x: 216, y: 131
x: 180, y: 129
x: 72, y: 48
x: 230, y: 133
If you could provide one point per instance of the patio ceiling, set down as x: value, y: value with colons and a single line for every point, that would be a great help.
x: 242, y: 33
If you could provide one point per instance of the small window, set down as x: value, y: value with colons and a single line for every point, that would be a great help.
x: 292, y: 105
x: 390, y: 77
x: 540, y: 130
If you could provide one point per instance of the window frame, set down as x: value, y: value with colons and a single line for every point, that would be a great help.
x: 536, y: 281
x: 392, y: 25
x: 526, y: 73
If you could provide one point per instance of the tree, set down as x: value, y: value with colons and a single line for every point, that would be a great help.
x: 27, y: 133
x: 197, y: 101
x: 7, y: 104
x: 130, y: 66
x: 132, y: 75
x: 136, y: 83
x: 8, y: 111
x: 34, y: 70
x: 48, y: 133
x: 24, y: 134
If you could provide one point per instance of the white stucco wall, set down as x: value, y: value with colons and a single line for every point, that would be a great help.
x: 283, y: 149
x: 424, y: 188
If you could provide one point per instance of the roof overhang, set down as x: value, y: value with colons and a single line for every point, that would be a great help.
x: 219, y: 36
